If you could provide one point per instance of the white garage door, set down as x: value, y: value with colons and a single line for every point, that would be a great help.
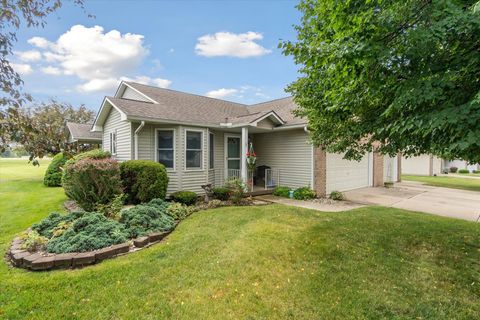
x: 416, y: 165
x: 343, y: 175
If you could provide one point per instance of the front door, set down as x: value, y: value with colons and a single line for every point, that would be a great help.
x: 232, y: 158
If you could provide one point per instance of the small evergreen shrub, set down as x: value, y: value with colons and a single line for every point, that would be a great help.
x: 282, y: 192
x: 91, y: 182
x: 90, y: 232
x: 221, y: 193
x: 143, y: 219
x: 337, y: 195
x: 112, y: 209
x: 160, y: 204
x: 463, y: 171
x: 453, y: 169
x: 143, y: 180
x: 187, y: 198
x: 97, y: 154
x: 177, y: 211
x: 47, y: 226
x: 237, y: 190
x: 304, y: 193
x: 53, y: 175
x: 33, y: 241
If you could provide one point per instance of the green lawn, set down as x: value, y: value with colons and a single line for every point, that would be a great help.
x: 272, y: 262
x: 447, y: 182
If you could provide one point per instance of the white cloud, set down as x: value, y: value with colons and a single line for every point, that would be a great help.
x: 30, y: 55
x: 51, y: 70
x: 100, y: 59
x: 157, y: 82
x: 222, y: 93
x: 22, y: 68
x: 240, y: 45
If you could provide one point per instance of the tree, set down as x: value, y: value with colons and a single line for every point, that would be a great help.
x: 401, y: 74
x: 41, y: 129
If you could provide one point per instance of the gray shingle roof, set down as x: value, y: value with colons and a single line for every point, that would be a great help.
x: 81, y: 131
x: 191, y: 108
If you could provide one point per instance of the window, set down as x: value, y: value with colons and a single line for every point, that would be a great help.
x: 211, y: 151
x: 165, y: 148
x: 113, y: 142
x: 193, y: 150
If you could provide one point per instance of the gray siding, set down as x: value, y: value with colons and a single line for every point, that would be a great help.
x: 219, y: 165
x: 131, y: 94
x: 124, y: 139
x: 287, y: 151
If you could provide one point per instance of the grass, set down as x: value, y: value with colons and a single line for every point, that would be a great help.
x: 271, y: 262
x: 447, y: 182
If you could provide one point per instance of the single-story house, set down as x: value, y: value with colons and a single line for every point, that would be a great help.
x: 81, y: 133
x: 203, y: 140
x: 429, y: 165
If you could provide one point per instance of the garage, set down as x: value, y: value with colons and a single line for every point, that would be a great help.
x: 343, y: 175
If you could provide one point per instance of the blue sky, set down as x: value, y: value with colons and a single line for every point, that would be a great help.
x: 225, y: 49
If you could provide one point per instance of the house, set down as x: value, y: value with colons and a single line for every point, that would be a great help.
x: 429, y: 165
x: 81, y: 133
x: 202, y: 140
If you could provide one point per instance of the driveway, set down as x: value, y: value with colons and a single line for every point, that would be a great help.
x: 461, y: 204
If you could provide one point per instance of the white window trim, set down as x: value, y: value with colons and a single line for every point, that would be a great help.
x: 225, y: 148
x: 201, y: 168
x: 174, y: 147
x: 112, y: 133
x: 213, y: 147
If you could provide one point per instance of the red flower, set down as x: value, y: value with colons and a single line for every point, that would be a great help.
x: 254, y: 154
x: 248, y: 154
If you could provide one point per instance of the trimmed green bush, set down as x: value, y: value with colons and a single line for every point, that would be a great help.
x: 187, y: 198
x: 143, y: 219
x: 160, y: 204
x: 177, y: 211
x: 453, y: 169
x: 90, y: 232
x: 282, y: 192
x: 337, y: 195
x: 91, y: 182
x: 463, y: 171
x: 53, y: 175
x: 221, y: 193
x: 92, y: 154
x: 304, y: 193
x: 143, y: 180
x: 47, y: 226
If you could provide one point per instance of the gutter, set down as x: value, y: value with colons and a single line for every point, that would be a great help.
x: 142, y: 124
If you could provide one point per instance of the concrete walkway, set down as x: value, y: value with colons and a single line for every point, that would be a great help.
x: 327, y: 206
x: 461, y: 204
x: 459, y: 175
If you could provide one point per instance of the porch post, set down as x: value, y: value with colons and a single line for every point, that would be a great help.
x: 243, y: 158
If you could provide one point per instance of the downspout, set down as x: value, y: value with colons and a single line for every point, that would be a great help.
x: 140, y: 127
x: 312, y: 163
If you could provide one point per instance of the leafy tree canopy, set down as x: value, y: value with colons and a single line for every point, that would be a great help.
x: 402, y: 73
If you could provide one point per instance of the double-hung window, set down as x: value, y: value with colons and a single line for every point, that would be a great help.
x: 193, y: 150
x: 211, y: 151
x: 113, y: 142
x: 165, y: 148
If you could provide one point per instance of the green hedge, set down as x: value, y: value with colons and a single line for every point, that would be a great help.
x: 282, y: 192
x: 143, y: 180
x: 187, y: 198
x: 53, y: 175
x: 221, y: 193
x: 304, y: 193
x: 91, y: 182
x: 463, y: 171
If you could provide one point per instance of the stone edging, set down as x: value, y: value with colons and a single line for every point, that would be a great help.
x: 41, y: 261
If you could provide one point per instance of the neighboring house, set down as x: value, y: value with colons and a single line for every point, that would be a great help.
x: 429, y: 165
x: 202, y: 140
x: 81, y: 133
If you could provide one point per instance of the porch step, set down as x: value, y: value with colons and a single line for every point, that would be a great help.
x: 260, y: 192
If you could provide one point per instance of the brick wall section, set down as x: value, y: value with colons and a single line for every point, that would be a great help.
x: 320, y: 172
x: 377, y: 169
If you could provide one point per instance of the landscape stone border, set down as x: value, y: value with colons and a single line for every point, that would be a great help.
x: 42, y: 261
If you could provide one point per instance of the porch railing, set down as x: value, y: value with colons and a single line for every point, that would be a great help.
x: 270, y: 181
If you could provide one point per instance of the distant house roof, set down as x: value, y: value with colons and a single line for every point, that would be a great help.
x: 82, y: 132
x: 175, y: 106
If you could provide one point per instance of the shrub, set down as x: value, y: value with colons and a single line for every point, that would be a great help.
x: 143, y: 219
x: 33, y: 241
x: 282, y: 192
x: 304, y: 193
x: 90, y: 232
x: 53, y: 175
x: 237, y: 190
x: 463, y: 171
x: 91, y: 182
x: 337, y: 195
x: 221, y: 193
x: 47, y: 226
x: 160, y: 204
x: 215, y: 203
x: 475, y: 171
x: 97, y: 154
x: 177, y: 211
x: 143, y: 180
x: 453, y: 169
x: 112, y: 209
x: 187, y: 198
